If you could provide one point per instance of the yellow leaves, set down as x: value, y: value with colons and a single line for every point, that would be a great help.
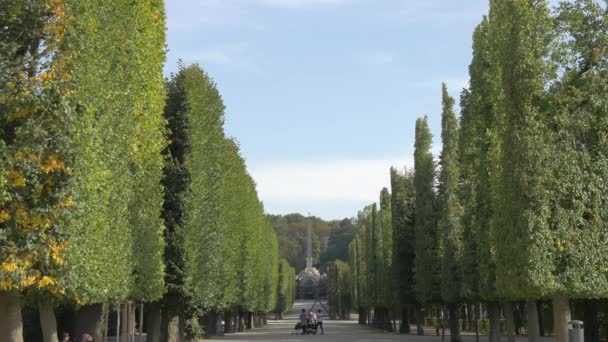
x: 28, y: 281
x: 56, y: 250
x: 19, y: 155
x: 55, y: 25
x: 68, y: 203
x: 8, y: 266
x: 21, y: 214
x: 559, y: 245
x: 15, y: 178
x: 5, y: 216
x: 52, y: 164
x: 54, y: 290
x: 45, y: 281
x: 6, y: 285
x: 154, y: 15
x: 32, y: 223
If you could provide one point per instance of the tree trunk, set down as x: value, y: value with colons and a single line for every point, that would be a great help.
x: 510, y: 321
x: 211, y: 324
x: 443, y: 314
x: 404, y: 328
x: 48, y: 322
x: 518, y: 318
x: 419, y: 321
x: 541, y: 318
x: 153, y: 323
x: 592, y: 326
x: 173, y: 334
x: 362, y: 318
x: 249, y: 320
x: 477, y: 318
x: 11, y: 324
x: 141, y: 319
x: 454, y: 311
x: 105, y: 308
x: 241, y: 321
x: 132, y: 321
x: 89, y: 319
x: 124, y: 323
x: 533, y: 332
x: 388, y: 326
x: 494, y: 315
x: 465, y: 318
x: 228, y: 327
x: 561, y: 317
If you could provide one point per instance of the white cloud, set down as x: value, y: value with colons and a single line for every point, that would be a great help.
x: 329, y: 189
x: 347, y: 179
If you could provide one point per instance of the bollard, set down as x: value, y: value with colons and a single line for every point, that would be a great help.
x: 576, y: 331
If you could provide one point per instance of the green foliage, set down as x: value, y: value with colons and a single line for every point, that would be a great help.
x: 573, y: 241
x: 341, y: 234
x: 94, y: 154
x: 427, y: 246
x: 385, y: 297
x: 230, y: 251
x: 286, y: 287
x: 339, y: 288
x: 370, y: 257
x: 118, y: 143
x: 449, y: 198
x: 403, y: 222
x: 522, y: 205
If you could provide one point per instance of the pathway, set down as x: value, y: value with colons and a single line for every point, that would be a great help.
x: 335, y: 330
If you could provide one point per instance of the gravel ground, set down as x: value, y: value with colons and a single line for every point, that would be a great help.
x: 335, y: 330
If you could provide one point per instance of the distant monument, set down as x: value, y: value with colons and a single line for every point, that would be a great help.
x: 308, y: 280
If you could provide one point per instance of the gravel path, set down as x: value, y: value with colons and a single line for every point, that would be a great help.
x: 338, y: 331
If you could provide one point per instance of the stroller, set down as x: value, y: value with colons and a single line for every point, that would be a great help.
x: 311, y: 328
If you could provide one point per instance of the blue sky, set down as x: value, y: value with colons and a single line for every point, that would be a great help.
x: 323, y: 94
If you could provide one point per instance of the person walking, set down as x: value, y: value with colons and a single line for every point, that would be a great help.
x: 303, y: 321
x: 320, y: 320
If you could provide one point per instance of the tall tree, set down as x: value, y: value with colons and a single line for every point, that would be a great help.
x: 450, y: 214
x: 403, y: 221
x: 93, y: 158
x: 427, y: 262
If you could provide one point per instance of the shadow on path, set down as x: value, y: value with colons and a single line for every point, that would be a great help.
x: 335, y: 330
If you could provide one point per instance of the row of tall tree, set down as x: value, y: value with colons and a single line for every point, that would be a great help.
x: 287, y: 288
x: 117, y: 185
x: 514, y: 209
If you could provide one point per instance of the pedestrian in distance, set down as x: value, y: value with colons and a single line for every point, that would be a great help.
x: 320, y: 320
x: 303, y: 321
